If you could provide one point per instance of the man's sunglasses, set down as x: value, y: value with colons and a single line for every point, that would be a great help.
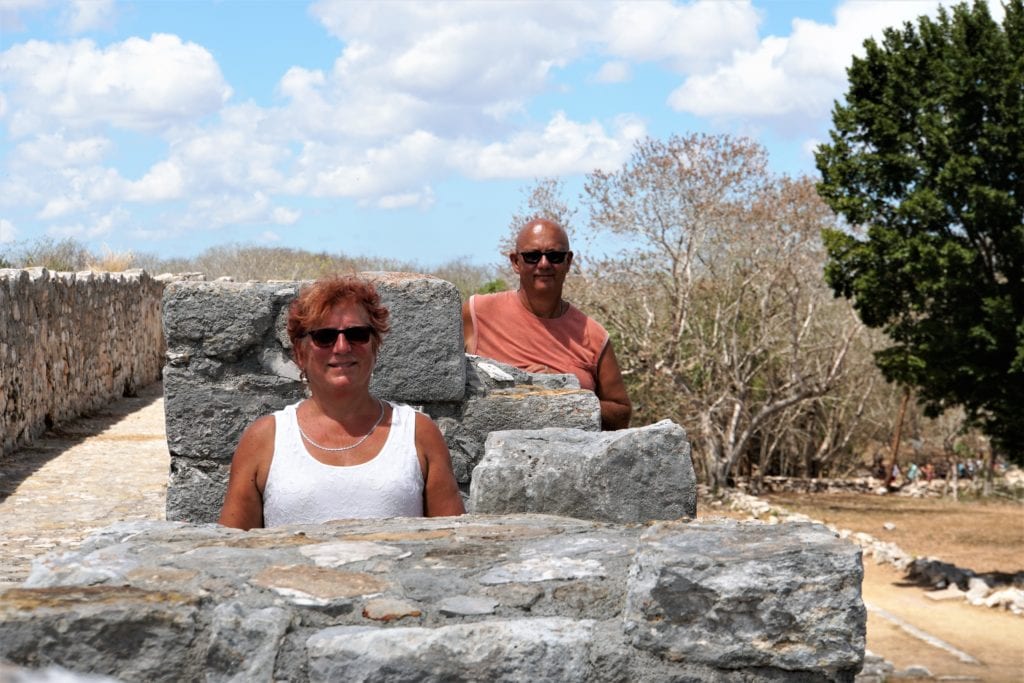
x: 553, y: 257
x: 326, y: 337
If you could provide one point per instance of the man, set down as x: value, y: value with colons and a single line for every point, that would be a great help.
x: 535, y: 329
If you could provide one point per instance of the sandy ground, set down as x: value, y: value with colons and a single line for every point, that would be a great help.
x: 897, y: 611
x: 980, y: 535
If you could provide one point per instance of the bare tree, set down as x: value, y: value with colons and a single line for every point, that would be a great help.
x: 718, y: 301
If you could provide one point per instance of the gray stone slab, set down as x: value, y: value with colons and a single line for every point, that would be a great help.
x: 549, y: 649
x: 195, y: 490
x: 526, y: 597
x: 733, y: 595
x: 422, y: 358
x: 631, y: 475
x: 517, y: 407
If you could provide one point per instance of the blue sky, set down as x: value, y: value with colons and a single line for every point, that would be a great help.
x: 398, y: 129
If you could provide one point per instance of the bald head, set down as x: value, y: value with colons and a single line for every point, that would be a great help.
x: 543, y: 230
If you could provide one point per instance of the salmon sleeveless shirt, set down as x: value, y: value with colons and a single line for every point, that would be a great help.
x: 508, y: 332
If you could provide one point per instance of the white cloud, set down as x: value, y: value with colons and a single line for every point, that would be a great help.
x: 562, y: 147
x: 163, y: 181
x: 12, y: 10
x: 687, y: 36
x: 86, y: 15
x: 53, y: 150
x: 339, y: 172
x: 285, y: 216
x: 613, y: 72
x: 62, y: 206
x: 268, y: 237
x: 135, y: 84
x: 229, y: 157
x: 8, y: 233
x: 93, y: 227
x: 809, y: 147
x: 454, y: 55
x: 795, y: 77
x: 423, y: 199
x: 213, y: 211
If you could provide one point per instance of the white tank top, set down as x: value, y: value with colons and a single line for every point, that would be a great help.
x: 302, y: 490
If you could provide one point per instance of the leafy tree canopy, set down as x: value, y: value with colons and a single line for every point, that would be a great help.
x: 926, y: 164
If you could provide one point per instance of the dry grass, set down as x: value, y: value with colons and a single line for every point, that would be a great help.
x: 111, y: 261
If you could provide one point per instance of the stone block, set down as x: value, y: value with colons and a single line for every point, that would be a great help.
x: 243, y: 643
x: 522, y: 597
x: 120, y: 631
x: 498, y: 397
x: 220, y: 319
x: 195, y: 489
x: 422, y: 358
x: 550, y: 648
x: 519, y: 407
x: 631, y: 475
x: 206, y: 415
x: 748, y: 595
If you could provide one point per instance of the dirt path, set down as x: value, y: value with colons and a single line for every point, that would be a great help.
x: 906, y: 627
x: 901, y: 619
x: 90, y: 473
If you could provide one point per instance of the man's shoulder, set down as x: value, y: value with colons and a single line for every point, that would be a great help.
x: 490, y: 301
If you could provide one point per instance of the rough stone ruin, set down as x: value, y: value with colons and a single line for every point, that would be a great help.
x: 474, y: 598
x: 229, y: 362
x: 70, y: 343
x: 580, y: 560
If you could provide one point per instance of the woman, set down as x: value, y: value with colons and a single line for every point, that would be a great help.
x: 341, y: 453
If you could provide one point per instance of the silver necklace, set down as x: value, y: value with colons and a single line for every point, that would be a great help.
x: 366, y: 436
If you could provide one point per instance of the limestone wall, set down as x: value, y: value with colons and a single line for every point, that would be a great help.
x: 72, y: 342
x: 474, y: 598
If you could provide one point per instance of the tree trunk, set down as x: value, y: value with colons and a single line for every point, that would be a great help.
x: 956, y: 479
x: 989, y: 469
x: 896, y: 438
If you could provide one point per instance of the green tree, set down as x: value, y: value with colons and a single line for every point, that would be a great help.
x: 926, y: 163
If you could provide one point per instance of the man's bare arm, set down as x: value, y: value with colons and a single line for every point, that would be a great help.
x: 468, y: 333
x: 616, y: 408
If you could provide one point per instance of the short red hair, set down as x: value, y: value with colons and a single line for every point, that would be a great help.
x: 315, y: 301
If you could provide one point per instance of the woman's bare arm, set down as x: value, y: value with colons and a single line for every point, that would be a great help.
x: 243, y: 502
x: 440, y: 491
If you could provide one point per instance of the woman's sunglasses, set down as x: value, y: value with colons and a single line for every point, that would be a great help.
x: 553, y: 257
x: 326, y: 337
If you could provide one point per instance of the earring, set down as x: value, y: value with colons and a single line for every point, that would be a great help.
x: 302, y: 376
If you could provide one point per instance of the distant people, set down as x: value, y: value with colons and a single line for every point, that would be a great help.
x: 929, y: 472
x: 341, y: 453
x: 878, y: 466
x: 913, y: 472
x: 535, y: 329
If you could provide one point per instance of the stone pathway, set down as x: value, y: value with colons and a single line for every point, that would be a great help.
x: 83, y: 476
